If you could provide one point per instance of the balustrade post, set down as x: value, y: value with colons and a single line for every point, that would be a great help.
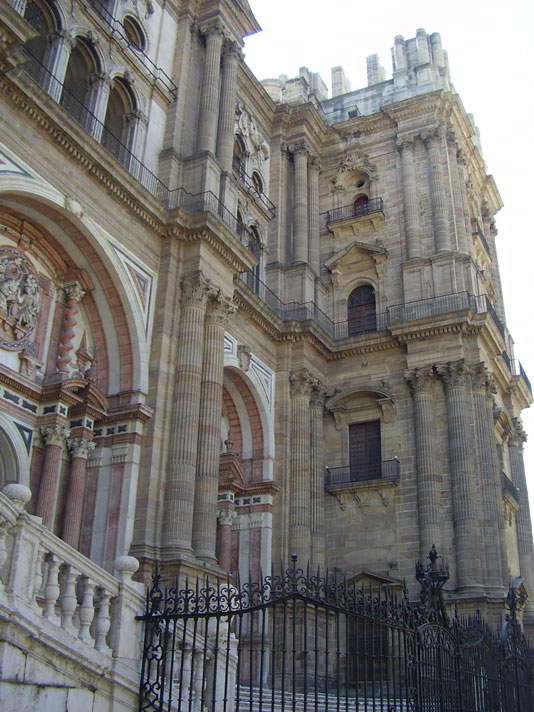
x: 102, y: 621
x: 51, y: 589
x: 87, y: 609
x: 68, y: 598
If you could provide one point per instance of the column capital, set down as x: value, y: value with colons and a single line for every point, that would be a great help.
x: 81, y: 447
x: 73, y: 292
x: 482, y: 379
x: 432, y: 137
x: 54, y: 435
x: 454, y: 374
x: 102, y: 77
x: 232, y: 50
x: 196, y: 290
x: 301, y: 382
x: 137, y: 115
x: 300, y: 148
x: 215, y: 30
x: 318, y: 394
x: 61, y: 36
x: 226, y: 516
x: 403, y: 142
x: 313, y: 163
x: 220, y: 308
x: 519, y: 436
x: 420, y: 380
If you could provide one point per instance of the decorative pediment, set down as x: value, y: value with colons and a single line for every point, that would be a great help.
x: 344, y: 261
x: 360, y: 403
x: 367, y: 578
x: 231, y: 475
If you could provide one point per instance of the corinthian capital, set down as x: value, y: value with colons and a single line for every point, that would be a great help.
x: 420, y: 380
x: 196, y: 290
x: 81, y: 447
x: 482, y: 379
x: 220, y: 309
x: 301, y: 382
x: 54, y: 435
x: 73, y: 292
x: 455, y: 374
x: 403, y: 142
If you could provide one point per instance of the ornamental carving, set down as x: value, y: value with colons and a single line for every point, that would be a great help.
x: 354, y: 162
x: 256, y: 145
x: 244, y: 355
x: 454, y: 374
x: 19, y: 300
x: 420, y: 380
x: 301, y: 382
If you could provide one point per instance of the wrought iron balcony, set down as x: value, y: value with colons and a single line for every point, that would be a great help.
x: 385, y: 470
x: 374, y: 205
x: 254, y: 189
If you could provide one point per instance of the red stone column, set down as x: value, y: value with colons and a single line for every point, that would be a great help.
x: 54, y: 437
x: 72, y: 521
x: 74, y: 294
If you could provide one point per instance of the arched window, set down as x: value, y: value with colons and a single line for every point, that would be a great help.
x: 238, y: 161
x: 255, y: 247
x: 43, y: 18
x: 361, y: 310
x: 361, y: 205
x: 134, y: 33
x: 257, y: 182
x: 117, y: 136
x: 82, y: 64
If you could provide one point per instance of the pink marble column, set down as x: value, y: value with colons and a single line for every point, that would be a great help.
x: 74, y: 294
x: 72, y: 521
x: 54, y: 437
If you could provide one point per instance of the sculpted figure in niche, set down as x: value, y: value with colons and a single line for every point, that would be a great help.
x: 19, y: 300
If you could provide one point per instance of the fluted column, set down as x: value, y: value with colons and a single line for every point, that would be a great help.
x: 438, y: 197
x: 181, y: 466
x: 225, y: 140
x: 428, y: 483
x: 100, y: 88
x: 209, y: 97
x: 226, y: 519
x: 300, y: 207
x: 314, y: 170
x: 464, y: 192
x: 411, y: 198
x: 72, y: 519
x: 525, y: 548
x: 317, y: 477
x: 74, y: 294
x: 457, y: 198
x: 209, y: 438
x: 56, y: 59
x: 54, y: 437
x: 455, y: 375
x: 301, y: 383
x: 489, y: 477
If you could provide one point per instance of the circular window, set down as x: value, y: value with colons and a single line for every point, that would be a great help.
x: 134, y: 33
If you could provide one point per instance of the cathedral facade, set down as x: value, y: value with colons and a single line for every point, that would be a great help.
x: 243, y: 320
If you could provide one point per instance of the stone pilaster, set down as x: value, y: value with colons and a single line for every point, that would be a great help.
x: 209, y: 438
x: 525, y: 548
x: 428, y: 485
x: 72, y: 519
x: 54, y: 437
x: 181, y: 466
x: 73, y: 294
x: 301, y: 383
x: 455, y: 378
x: 314, y: 170
x: 438, y: 196
x: 56, y: 59
x: 300, y: 207
x: 137, y: 123
x: 411, y: 198
x: 489, y: 477
x: 209, y: 97
x: 457, y: 198
x: 317, y: 560
x: 226, y: 519
x: 100, y: 88
x: 464, y: 179
x: 225, y: 140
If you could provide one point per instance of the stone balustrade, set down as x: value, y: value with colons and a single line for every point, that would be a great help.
x: 70, y: 614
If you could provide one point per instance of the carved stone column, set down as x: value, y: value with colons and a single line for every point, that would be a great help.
x: 56, y: 59
x: 209, y: 438
x: 225, y: 141
x: 457, y: 198
x: 428, y: 484
x: 489, y: 476
x: 525, y: 548
x: 314, y: 170
x: 98, y: 103
x: 54, y: 437
x: 317, y: 477
x: 455, y: 376
x: 74, y: 294
x: 181, y: 466
x: 438, y: 197
x: 300, y: 207
x: 72, y: 519
x: 226, y: 519
x: 411, y: 198
x: 301, y: 383
x: 209, y: 97
x: 464, y: 180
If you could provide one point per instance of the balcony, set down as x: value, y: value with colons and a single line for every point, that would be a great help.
x: 255, y: 189
x: 350, y: 220
x: 386, y: 471
x: 349, y: 212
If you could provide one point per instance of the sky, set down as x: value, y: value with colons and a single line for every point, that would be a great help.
x: 491, y: 57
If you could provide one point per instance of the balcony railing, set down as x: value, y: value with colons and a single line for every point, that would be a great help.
x: 259, y: 195
x: 374, y: 205
x: 387, y: 469
x: 29, y: 10
x: 476, y: 229
x: 508, y: 487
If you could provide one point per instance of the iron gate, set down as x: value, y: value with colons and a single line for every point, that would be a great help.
x: 297, y: 641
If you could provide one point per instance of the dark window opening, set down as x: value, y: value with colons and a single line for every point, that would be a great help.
x: 238, y: 161
x: 365, y: 451
x: 361, y: 205
x: 361, y: 310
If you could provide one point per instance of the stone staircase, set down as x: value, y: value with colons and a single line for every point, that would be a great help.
x: 249, y: 701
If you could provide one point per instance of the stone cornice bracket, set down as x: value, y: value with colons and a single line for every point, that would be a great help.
x: 420, y: 380
x: 54, y: 435
x: 301, y: 382
x: 454, y: 374
x: 196, y: 290
x: 81, y: 447
x: 137, y: 115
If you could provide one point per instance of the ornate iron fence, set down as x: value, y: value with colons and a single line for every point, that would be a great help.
x: 299, y: 641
